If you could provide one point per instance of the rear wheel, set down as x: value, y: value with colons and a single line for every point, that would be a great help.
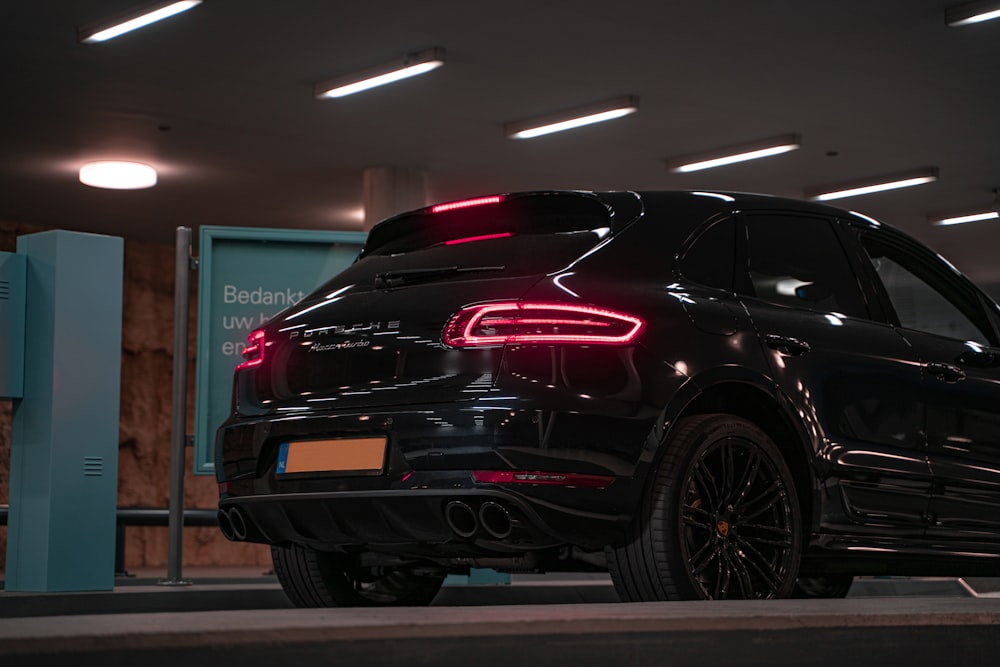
x: 720, y: 520
x: 314, y: 578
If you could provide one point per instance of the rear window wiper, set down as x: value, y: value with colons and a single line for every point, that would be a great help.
x: 404, y: 276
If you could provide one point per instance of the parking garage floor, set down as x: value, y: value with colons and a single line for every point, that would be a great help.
x: 230, y: 617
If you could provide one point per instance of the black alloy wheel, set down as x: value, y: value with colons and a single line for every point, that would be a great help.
x: 721, y: 520
x: 314, y: 578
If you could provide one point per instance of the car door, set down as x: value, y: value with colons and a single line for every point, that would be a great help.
x: 953, y: 328
x: 853, y: 380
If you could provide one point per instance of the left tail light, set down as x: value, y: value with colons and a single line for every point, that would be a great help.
x: 253, y: 353
x: 541, y: 323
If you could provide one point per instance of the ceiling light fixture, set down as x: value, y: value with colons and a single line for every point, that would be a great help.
x: 133, y: 20
x: 879, y: 184
x: 962, y: 219
x: 568, y: 120
x: 738, y: 153
x: 409, y: 65
x: 118, y: 175
x: 971, y: 12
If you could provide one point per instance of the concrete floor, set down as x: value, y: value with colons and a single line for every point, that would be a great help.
x: 242, y: 618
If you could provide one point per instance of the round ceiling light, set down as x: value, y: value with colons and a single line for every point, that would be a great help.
x: 118, y: 175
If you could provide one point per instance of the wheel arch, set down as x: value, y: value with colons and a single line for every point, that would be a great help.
x: 757, y: 400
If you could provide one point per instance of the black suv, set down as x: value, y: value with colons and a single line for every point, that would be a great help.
x: 711, y: 395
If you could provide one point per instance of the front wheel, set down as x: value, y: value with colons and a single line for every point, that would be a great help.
x: 720, y: 520
x: 314, y: 578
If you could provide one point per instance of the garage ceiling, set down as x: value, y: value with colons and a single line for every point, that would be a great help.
x: 219, y: 100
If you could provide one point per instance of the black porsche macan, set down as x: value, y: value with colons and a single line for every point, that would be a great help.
x: 711, y: 395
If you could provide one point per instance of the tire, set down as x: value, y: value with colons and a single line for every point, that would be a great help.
x: 825, y: 587
x: 720, y: 519
x: 314, y: 578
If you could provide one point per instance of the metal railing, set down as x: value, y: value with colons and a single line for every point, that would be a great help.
x: 143, y: 516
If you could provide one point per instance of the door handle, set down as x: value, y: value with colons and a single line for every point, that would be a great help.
x: 786, y: 345
x: 945, y: 372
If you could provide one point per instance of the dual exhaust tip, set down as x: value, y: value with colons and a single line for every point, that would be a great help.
x: 235, y: 525
x: 491, y: 518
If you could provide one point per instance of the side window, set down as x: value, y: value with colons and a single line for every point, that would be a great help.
x: 925, y: 294
x: 798, y: 261
x: 709, y: 261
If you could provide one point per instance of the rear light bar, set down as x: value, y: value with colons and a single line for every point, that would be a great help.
x: 254, y: 352
x: 483, y: 237
x: 466, y: 203
x: 548, y: 478
x: 541, y: 323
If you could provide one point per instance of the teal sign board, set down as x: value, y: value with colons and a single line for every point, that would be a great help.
x: 245, y: 277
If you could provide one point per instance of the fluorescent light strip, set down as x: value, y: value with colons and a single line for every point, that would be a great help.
x: 971, y: 12
x: 733, y: 154
x: 878, y: 187
x: 409, y: 66
x: 731, y: 159
x: 962, y: 219
x: 988, y: 16
x: 376, y: 81
x: 889, y: 182
x: 93, y: 36
x: 596, y: 113
x: 572, y: 123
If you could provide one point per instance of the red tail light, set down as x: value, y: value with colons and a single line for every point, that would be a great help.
x: 542, y: 323
x: 549, y: 478
x: 254, y: 352
x: 467, y: 203
x: 484, y: 237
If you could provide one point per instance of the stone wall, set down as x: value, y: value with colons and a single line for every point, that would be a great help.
x: 144, y: 428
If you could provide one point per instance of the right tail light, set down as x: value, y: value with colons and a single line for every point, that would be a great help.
x: 529, y: 322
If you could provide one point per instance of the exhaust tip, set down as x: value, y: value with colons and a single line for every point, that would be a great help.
x: 238, y: 522
x: 495, y: 520
x: 226, y: 526
x: 461, y: 519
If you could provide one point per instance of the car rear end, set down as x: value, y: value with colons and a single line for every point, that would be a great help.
x: 446, y: 394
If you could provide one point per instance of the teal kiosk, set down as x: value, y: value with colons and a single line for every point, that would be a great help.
x: 61, y: 322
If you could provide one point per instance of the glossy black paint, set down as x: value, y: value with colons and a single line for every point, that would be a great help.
x: 892, y: 434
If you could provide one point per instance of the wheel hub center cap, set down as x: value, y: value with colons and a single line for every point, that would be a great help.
x: 723, y: 527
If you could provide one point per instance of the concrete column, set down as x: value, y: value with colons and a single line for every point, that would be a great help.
x: 392, y: 190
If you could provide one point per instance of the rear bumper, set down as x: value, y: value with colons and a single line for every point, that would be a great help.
x: 432, y: 451
x: 432, y: 522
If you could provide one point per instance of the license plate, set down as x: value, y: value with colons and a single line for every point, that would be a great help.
x: 364, y: 456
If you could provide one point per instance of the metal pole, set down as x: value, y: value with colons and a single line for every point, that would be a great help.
x: 175, y: 522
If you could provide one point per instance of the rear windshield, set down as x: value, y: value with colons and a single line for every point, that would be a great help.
x: 516, y: 216
x: 528, y: 235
